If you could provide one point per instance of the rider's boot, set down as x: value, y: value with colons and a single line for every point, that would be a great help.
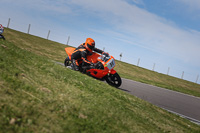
x: 3, y: 37
x: 74, y: 66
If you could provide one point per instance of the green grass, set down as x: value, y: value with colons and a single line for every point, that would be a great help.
x: 38, y: 95
x: 55, y: 51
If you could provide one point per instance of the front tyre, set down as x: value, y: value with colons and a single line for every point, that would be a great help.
x: 114, y: 80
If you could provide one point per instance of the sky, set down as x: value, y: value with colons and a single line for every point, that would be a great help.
x: 163, y: 35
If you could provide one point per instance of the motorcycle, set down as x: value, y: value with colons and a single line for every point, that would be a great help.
x: 103, y: 68
x: 1, y: 32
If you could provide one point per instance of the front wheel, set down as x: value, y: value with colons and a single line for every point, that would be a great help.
x: 114, y: 80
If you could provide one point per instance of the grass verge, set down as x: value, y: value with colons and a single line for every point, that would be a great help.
x: 38, y: 95
x: 55, y: 51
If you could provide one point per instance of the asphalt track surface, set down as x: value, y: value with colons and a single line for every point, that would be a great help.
x: 182, y: 104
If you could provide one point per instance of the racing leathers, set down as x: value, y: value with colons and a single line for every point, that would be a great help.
x: 80, y: 55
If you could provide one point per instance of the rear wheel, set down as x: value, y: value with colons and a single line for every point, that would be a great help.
x: 114, y: 80
x: 67, y: 62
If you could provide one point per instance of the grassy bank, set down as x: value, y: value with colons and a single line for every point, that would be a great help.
x: 38, y: 95
x: 157, y: 79
x: 55, y: 51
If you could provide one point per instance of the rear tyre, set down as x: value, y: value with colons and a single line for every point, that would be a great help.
x: 67, y: 62
x: 114, y: 80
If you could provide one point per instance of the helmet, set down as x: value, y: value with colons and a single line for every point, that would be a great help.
x: 89, y: 44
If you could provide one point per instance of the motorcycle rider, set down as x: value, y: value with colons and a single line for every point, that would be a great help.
x: 81, y: 52
x: 1, y: 32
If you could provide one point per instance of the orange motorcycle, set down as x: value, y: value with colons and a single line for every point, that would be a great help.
x: 103, y: 68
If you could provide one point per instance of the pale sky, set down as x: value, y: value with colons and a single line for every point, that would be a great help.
x: 164, y: 32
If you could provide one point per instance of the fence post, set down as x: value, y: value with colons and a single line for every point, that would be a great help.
x: 182, y: 75
x: 138, y: 62
x: 29, y: 26
x: 120, y: 56
x: 197, y: 78
x: 68, y: 40
x: 8, y: 23
x: 154, y: 66
x: 48, y: 35
x: 168, y: 70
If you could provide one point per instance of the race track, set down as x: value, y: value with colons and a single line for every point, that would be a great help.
x: 182, y: 104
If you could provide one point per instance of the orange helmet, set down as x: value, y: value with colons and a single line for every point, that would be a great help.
x: 89, y: 44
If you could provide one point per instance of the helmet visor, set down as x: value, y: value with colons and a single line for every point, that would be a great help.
x: 90, y: 47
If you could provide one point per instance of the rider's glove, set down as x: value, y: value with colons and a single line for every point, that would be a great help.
x: 105, y: 53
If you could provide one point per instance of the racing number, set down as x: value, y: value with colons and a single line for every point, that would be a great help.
x: 112, y: 64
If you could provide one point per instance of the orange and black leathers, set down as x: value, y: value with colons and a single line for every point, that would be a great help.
x: 81, y: 53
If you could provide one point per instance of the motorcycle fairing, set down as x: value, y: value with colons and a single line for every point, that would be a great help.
x: 97, y: 73
x: 108, y: 65
x: 69, y: 51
